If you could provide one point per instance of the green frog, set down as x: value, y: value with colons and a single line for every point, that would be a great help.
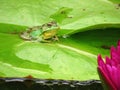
x: 44, y: 33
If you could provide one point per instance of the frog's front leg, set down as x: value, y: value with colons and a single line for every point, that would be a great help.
x: 55, y: 38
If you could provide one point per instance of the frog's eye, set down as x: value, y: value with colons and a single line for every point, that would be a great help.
x: 49, y: 24
x: 53, y: 23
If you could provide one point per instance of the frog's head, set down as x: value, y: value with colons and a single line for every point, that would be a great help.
x: 50, y: 26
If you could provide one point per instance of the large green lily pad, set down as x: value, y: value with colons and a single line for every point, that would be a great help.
x: 70, y: 58
x: 73, y: 16
x: 74, y: 57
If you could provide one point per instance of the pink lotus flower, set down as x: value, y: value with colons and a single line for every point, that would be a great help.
x: 109, y: 69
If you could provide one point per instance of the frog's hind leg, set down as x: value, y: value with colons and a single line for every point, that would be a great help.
x: 25, y: 36
x: 40, y: 39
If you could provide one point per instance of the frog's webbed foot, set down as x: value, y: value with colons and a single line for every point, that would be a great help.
x: 55, y: 38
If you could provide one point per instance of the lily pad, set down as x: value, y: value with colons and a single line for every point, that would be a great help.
x: 71, y: 58
x: 75, y: 16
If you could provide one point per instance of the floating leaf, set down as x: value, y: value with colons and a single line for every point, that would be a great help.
x: 73, y: 57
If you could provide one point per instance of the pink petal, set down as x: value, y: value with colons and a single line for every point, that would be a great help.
x: 113, y: 63
x: 118, y: 49
x: 115, y: 56
x: 109, y: 69
x: 106, y: 79
x: 114, y: 75
x: 101, y: 64
x: 113, y: 52
x: 100, y: 60
x: 118, y: 73
x: 118, y: 43
x: 108, y: 60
